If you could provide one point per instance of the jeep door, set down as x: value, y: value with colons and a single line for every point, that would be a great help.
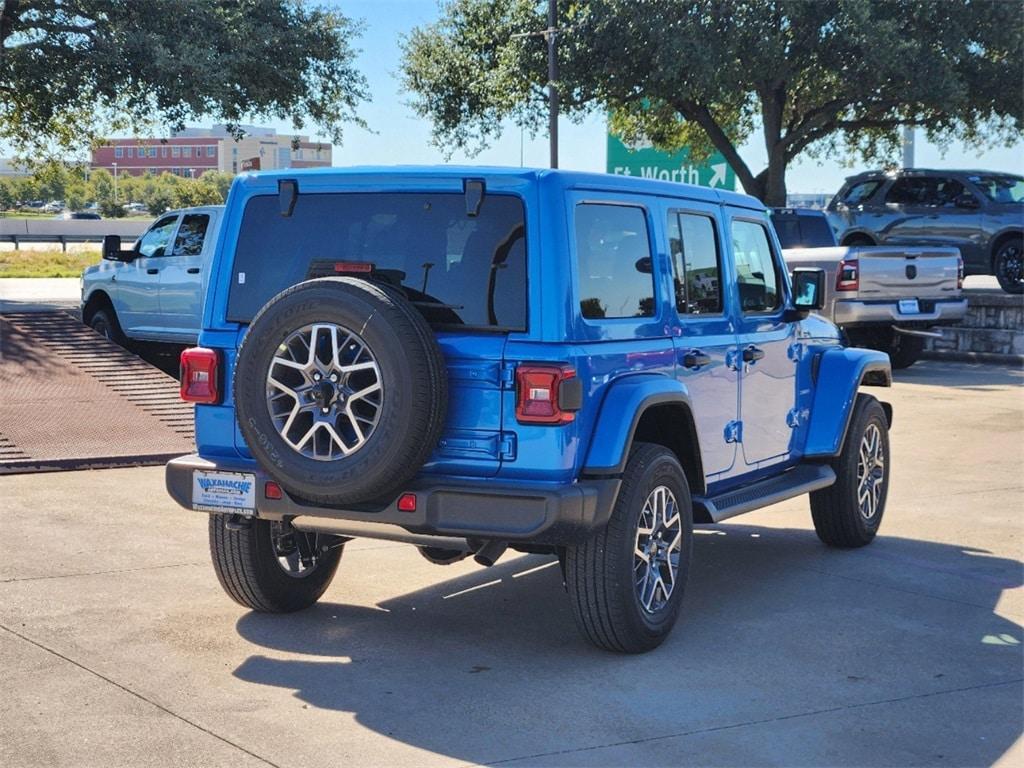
x: 138, y: 291
x: 706, y: 345
x: 181, y: 276
x: 767, y: 350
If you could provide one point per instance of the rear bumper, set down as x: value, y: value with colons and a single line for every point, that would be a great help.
x: 537, y: 514
x: 934, y: 312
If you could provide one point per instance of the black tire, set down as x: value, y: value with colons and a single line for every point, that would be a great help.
x: 104, y: 322
x: 838, y: 518
x: 412, y: 372
x: 600, y: 571
x: 248, y: 569
x: 1008, y: 265
x: 905, y: 350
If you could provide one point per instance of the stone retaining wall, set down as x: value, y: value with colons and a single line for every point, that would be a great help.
x: 993, y: 329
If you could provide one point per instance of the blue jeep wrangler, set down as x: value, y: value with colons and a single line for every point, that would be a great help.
x: 471, y: 359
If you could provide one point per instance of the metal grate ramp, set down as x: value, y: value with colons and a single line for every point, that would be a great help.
x: 70, y: 399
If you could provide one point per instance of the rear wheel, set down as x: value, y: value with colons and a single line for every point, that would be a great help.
x: 626, y: 581
x: 905, y: 350
x: 848, y: 513
x: 1008, y: 265
x: 269, y: 566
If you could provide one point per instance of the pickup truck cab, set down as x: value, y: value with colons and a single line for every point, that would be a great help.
x: 153, y: 292
x: 889, y: 298
x: 475, y: 359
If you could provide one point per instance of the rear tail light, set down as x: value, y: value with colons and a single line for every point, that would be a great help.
x: 848, y: 278
x: 199, y: 375
x: 547, y: 394
x: 959, y: 272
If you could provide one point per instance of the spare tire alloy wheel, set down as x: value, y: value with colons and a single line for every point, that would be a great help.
x: 324, y: 391
x: 340, y: 391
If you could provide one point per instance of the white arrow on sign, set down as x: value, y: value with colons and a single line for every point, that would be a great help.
x: 718, y: 177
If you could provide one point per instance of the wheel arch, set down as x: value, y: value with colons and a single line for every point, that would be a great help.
x: 839, y: 373
x: 852, y: 237
x: 98, y: 299
x: 650, y: 409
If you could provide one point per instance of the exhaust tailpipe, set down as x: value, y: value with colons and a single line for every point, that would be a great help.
x: 489, y: 553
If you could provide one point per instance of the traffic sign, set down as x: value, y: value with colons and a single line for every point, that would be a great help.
x: 647, y: 162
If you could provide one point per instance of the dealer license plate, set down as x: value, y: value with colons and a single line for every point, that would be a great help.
x: 909, y: 307
x: 224, y: 492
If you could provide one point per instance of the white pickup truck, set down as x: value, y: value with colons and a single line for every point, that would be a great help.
x: 883, y: 297
x: 153, y: 292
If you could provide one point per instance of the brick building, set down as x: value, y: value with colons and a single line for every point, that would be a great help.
x: 194, y: 151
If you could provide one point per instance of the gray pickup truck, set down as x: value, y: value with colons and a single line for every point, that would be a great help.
x: 883, y: 297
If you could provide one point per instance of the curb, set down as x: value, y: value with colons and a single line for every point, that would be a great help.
x: 991, y: 358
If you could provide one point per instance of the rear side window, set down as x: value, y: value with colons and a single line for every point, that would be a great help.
x: 803, y: 231
x: 695, y: 261
x: 926, y: 191
x: 456, y: 269
x: 757, y: 278
x: 191, y: 234
x: 613, y: 251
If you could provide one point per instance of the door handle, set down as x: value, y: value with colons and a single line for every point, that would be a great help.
x: 696, y: 359
x: 193, y: 270
x: 752, y: 354
x: 152, y: 271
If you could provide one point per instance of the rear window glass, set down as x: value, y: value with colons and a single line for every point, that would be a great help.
x: 802, y: 231
x: 456, y: 269
x: 613, y: 253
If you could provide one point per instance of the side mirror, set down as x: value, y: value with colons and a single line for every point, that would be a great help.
x: 966, y: 200
x: 112, y: 248
x: 808, y: 289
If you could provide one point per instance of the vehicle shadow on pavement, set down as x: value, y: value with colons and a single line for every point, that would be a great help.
x: 961, y: 375
x: 778, y: 633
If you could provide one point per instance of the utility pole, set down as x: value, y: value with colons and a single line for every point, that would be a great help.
x: 551, y: 34
x: 908, y: 146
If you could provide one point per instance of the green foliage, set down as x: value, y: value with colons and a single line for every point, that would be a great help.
x: 55, y: 263
x: 74, y: 70
x: 825, y: 77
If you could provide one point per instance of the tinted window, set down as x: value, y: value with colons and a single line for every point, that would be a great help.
x: 154, y: 242
x: 861, y: 191
x: 757, y: 279
x: 927, y: 191
x: 457, y: 269
x: 695, y: 263
x: 613, y: 254
x: 1001, y: 189
x: 803, y: 231
x: 191, y: 233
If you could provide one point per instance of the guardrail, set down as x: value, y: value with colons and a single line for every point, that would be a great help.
x: 66, y: 231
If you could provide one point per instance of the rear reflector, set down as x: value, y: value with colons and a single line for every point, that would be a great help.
x: 407, y: 502
x: 353, y: 267
x: 538, y: 390
x: 272, y: 490
x: 848, y: 277
x: 199, y: 369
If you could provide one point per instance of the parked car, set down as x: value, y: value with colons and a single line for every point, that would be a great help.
x: 79, y: 215
x: 54, y: 206
x: 979, y: 212
x: 153, y: 291
x: 469, y: 360
x: 882, y: 297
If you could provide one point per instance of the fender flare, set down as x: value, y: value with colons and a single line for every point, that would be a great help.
x: 624, y: 403
x: 839, y: 373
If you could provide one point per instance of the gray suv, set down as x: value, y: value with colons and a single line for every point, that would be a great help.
x: 979, y: 212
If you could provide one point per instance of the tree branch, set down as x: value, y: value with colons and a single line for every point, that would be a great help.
x: 701, y: 115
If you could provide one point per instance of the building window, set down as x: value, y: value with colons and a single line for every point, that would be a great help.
x: 186, y: 151
x: 119, y: 152
x: 150, y: 151
x: 163, y: 151
x: 211, y: 151
x: 234, y: 166
x: 131, y: 151
x: 234, y: 151
x: 175, y: 151
x: 176, y: 171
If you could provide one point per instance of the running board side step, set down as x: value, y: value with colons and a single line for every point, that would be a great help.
x: 797, y: 481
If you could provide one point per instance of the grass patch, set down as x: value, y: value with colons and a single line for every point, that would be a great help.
x: 45, y: 263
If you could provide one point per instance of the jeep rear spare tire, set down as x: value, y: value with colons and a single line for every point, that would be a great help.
x: 340, y: 390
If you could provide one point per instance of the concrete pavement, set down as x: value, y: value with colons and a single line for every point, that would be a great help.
x: 118, y: 647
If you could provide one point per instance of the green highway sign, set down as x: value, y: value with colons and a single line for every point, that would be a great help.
x: 649, y: 163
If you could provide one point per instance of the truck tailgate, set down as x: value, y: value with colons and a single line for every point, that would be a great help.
x: 898, y: 272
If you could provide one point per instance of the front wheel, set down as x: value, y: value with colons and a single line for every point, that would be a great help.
x: 848, y: 513
x: 626, y: 581
x: 269, y: 566
x: 104, y: 322
x: 1009, y: 265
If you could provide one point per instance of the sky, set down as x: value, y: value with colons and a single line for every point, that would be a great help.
x: 399, y: 136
